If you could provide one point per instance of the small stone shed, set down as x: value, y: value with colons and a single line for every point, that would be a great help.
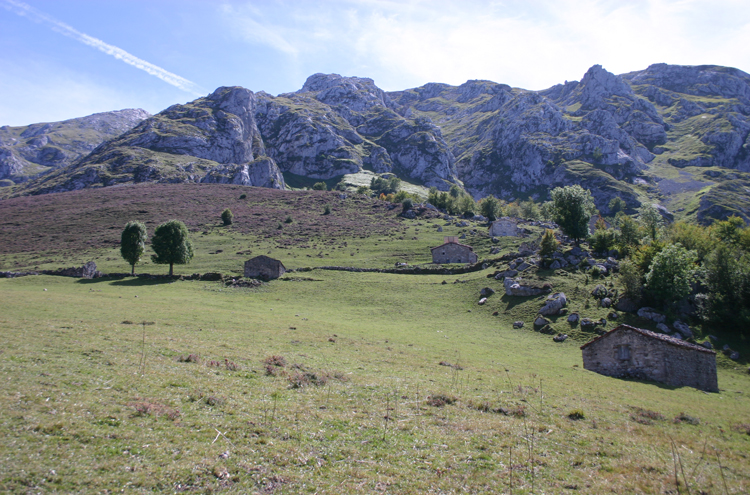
x: 451, y: 251
x: 264, y: 267
x: 505, y: 227
x: 627, y: 351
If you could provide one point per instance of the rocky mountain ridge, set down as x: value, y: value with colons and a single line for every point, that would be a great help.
x: 671, y: 134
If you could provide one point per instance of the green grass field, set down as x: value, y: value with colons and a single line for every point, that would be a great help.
x: 96, y: 401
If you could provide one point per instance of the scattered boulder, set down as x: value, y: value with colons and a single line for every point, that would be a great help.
x: 560, y: 337
x: 626, y: 305
x: 487, y: 291
x: 600, y: 292
x: 555, y: 302
x: 707, y: 345
x: 573, y: 318
x: 482, y: 301
x: 514, y: 287
x: 613, y: 316
x: 506, y: 274
x: 677, y: 336
x: 606, y: 302
x: 517, y: 324
x: 440, y: 228
x: 541, y: 321
x: 523, y: 266
x: 462, y: 236
x: 495, y: 250
x: 734, y: 356
x: 651, y: 314
x: 662, y: 327
x: 587, y: 323
x: 556, y: 265
x: 683, y: 328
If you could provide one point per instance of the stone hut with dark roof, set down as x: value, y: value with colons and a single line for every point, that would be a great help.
x: 633, y: 352
x: 451, y: 251
x: 264, y: 268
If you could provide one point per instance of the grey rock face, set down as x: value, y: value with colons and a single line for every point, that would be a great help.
x: 28, y: 151
x: 517, y: 324
x: 555, y: 302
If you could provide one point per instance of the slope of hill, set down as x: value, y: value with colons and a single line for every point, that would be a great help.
x: 663, y: 134
x: 32, y: 150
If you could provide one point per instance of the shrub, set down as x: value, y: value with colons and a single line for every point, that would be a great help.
x: 364, y: 190
x: 631, y: 279
x: 616, y: 205
x: 307, y: 378
x: 529, y: 210
x: 243, y: 196
x: 686, y: 418
x: 671, y: 272
x: 278, y: 361
x: 548, y: 244
x: 380, y: 185
x: 327, y: 210
x: 227, y: 217
x: 288, y: 220
x: 651, y: 220
x: 603, y: 240
x: 490, y: 207
x: 576, y: 415
x: 320, y: 186
x: 407, y: 204
x: 440, y: 400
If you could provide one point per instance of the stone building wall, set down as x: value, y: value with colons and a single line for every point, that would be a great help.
x: 453, y: 252
x: 629, y: 352
x: 264, y: 267
x: 504, y: 227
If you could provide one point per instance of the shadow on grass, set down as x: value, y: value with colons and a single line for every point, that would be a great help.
x: 513, y: 301
x: 127, y: 281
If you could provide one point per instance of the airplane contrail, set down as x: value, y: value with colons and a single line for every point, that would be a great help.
x: 33, y: 14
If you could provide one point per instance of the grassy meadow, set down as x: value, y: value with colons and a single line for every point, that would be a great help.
x: 322, y: 381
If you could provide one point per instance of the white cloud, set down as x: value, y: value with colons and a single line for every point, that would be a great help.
x: 35, y: 15
x: 530, y: 44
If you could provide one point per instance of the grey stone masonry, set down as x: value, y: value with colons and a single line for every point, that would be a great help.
x: 633, y: 352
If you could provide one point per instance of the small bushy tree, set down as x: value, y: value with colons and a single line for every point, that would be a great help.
x: 529, y: 209
x: 407, y: 204
x: 671, y: 272
x: 455, y: 191
x: 616, y: 205
x: 133, y: 243
x: 320, y: 186
x: 728, y: 282
x: 227, y: 217
x: 380, y: 185
x: 651, y: 220
x: 490, y: 207
x: 573, y: 207
x: 466, y: 205
x: 631, y: 278
x: 548, y: 244
x: 171, y: 245
x: 630, y: 233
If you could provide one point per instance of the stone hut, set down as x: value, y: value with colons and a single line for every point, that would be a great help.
x: 264, y: 267
x: 504, y: 227
x: 627, y: 351
x: 451, y: 251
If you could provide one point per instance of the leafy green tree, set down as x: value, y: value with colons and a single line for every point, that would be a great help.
x: 671, y: 272
x: 729, y: 230
x: 380, y: 185
x: 631, y: 278
x: 171, y: 245
x: 529, y: 209
x: 466, y: 205
x: 573, y: 207
x: 692, y: 236
x: 547, y: 210
x: 630, y: 234
x: 433, y: 196
x: 651, y: 219
x: 227, y: 217
x: 549, y: 244
x: 616, y: 205
x: 728, y: 281
x: 455, y: 191
x: 490, y: 208
x: 320, y: 186
x: 133, y: 243
x: 407, y: 204
x: 602, y: 240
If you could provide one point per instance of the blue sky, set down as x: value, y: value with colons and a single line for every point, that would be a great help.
x: 69, y: 58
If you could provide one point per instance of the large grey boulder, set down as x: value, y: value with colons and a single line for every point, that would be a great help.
x: 626, y: 305
x: 652, y: 314
x: 555, y: 302
x: 683, y: 328
x: 541, y: 321
x: 515, y: 287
